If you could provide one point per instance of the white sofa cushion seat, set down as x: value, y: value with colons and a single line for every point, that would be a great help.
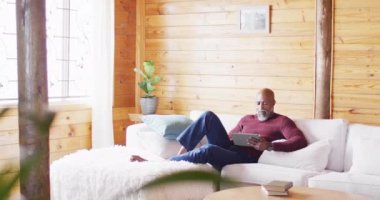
x: 262, y: 173
x: 362, y: 184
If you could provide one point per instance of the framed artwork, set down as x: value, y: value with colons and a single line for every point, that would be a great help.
x: 255, y: 19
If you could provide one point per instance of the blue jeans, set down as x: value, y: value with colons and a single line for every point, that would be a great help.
x: 219, y: 151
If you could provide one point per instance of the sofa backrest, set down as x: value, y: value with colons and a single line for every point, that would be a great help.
x: 335, y: 130
x: 357, y: 132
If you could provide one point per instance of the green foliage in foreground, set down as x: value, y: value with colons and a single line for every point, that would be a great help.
x: 189, y: 175
x: 6, y: 184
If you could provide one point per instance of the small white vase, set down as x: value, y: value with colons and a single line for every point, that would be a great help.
x: 148, y: 105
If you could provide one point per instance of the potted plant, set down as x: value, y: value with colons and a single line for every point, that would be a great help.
x: 148, y: 102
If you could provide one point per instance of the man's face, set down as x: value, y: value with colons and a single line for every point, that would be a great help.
x: 264, y: 106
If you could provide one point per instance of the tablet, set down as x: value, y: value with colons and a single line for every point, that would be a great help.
x: 241, y: 139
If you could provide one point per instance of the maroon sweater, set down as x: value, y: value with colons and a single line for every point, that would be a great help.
x: 275, y: 128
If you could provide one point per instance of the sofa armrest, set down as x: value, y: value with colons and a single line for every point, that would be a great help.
x: 140, y: 136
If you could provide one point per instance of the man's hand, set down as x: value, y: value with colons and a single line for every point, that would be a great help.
x: 259, y: 144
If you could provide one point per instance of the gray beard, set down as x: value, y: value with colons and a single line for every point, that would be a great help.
x: 263, y: 115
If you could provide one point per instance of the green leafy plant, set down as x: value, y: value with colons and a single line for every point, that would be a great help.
x: 147, y: 84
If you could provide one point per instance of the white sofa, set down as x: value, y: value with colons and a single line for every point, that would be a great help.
x: 323, y: 165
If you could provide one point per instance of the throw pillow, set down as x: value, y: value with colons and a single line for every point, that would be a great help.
x: 314, y: 157
x: 365, y: 157
x: 169, y: 126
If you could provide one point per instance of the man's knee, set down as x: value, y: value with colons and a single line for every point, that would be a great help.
x: 213, y: 155
x: 208, y: 114
x: 209, y: 149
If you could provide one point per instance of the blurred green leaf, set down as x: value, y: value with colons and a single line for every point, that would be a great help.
x: 149, y: 68
x: 3, y: 111
x: 6, y: 184
x: 188, y: 175
x: 156, y: 79
x: 42, y: 122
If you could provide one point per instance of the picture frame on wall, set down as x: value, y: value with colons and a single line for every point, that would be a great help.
x: 255, y: 19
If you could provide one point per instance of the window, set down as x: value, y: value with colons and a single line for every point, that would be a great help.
x: 68, y: 48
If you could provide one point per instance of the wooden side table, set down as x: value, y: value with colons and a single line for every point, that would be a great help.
x: 135, y: 117
x: 299, y: 193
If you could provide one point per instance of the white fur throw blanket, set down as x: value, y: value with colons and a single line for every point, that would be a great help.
x: 107, y: 174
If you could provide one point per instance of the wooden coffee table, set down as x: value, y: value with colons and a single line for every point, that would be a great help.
x: 299, y: 193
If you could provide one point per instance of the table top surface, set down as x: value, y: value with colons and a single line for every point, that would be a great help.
x: 135, y: 117
x: 295, y: 193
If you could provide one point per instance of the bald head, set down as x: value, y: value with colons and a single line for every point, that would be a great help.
x: 267, y: 95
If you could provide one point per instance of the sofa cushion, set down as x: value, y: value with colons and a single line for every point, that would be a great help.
x: 335, y: 130
x: 363, y: 160
x: 314, y: 157
x: 261, y: 173
x: 168, y: 126
x: 361, y: 184
x: 356, y: 133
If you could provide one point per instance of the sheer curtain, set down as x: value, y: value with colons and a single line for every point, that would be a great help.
x: 102, y: 77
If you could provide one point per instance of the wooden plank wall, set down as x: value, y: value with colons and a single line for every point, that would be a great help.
x: 124, y: 84
x: 206, y: 62
x: 70, y: 131
x: 356, y: 86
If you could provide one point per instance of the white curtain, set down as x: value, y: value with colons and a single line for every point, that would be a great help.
x: 102, y: 77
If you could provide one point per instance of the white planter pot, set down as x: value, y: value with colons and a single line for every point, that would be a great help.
x: 148, y: 105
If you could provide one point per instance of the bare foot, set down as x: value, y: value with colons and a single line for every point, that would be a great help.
x: 181, y: 150
x: 137, y: 158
